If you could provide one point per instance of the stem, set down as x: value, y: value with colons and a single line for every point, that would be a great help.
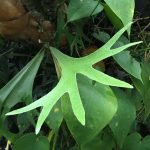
x: 54, y: 142
x: 50, y: 135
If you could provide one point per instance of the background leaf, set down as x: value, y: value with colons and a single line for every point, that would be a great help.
x: 124, y: 117
x: 126, y: 13
x: 146, y: 88
x: 30, y: 142
x: 102, y: 142
x: 126, y: 61
x: 135, y: 142
x: 19, y: 88
x: 78, y: 9
x: 55, y: 117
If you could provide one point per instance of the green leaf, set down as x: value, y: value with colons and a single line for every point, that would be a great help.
x: 124, y: 117
x: 124, y: 10
x: 129, y: 64
x: 19, y: 88
x: 135, y: 142
x: 100, y: 105
x: 146, y: 88
x: 31, y: 142
x: 78, y: 9
x: 126, y: 61
x: 70, y: 67
x: 103, y: 142
x: 55, y: 117
x: 102, y: 36
x: 23, y: 122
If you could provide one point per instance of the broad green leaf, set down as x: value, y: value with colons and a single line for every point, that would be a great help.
x: 55, y: 117
x: 100, y: 105
x: 70, y: 67
x: 126, y: 61
x: 129, y: 64
x: 124, y: 117
x: 124, y: 10
x: 78, y: 9
x: 135, y: 142
x: 146, y: 88
x: 19, y: 88
x: 103, y: 142
x: 31, y: 142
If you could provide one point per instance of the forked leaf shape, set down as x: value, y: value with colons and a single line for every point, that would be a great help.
x: 70, y: 67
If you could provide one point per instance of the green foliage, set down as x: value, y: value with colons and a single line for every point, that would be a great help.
x: 19, y: 88
x: 124, y: 10
x: 78, y: 9
x: 124, y: 117
x: 67, y: 83
x: 86, y: 109
x: 100, y: 105
x: 31, y: 141
x: 134, y: 141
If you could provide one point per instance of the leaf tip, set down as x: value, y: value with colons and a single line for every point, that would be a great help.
x: 130, y: 86
x: 37, y: 130
x: 82, y: 119
x: 7, y: 114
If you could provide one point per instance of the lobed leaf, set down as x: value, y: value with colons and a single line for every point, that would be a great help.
x: 70, y: 67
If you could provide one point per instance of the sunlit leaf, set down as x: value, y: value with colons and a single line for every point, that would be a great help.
x: 70, y: 67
